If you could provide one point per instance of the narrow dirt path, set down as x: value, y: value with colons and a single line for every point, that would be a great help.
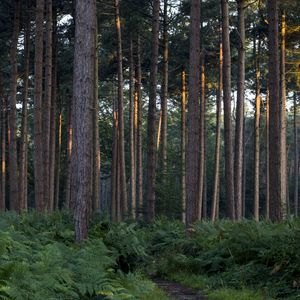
x: 177, y: 291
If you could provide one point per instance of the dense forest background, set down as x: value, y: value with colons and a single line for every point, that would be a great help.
x: 143, y: 86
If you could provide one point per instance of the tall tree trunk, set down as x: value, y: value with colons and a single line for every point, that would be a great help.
x: 192, y: 162
x: 139, y: 129
x: 238, y: 159
x: 257, y: 130
x: 227, y: 112
x: 38, y: 89
x: 201, y: 137
x: 47, y: 104
x: 53, y: 117
x: 84, y: 92
x: 164, y: 93
x: 183, y: 143
x: 267, y: 209
x: 274, y: 138
x: 296, y: 159
x: 68, y: 201
x: 114, y: 171
x: 13, y: 164
x: 283, y: 158
x: 121, y: 147
x: 57, y: 162
x: 132, y: 126
x: 24, y: 127
x: 151, y: 151
x: 96, y: 147
x: 216, y: 184
x: 3, y: 154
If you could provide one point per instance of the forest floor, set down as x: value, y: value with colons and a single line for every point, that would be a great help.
x: 177, y: 291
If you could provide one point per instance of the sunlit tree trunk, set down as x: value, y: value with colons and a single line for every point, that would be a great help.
x: 13, y: 164
x: 202, y: 138
x: 183, y: 143
x: 296, y: 159
x: 267, y: 209
x: 274, y: 137
x: 239, y: 128
x: 230, y: 211
x: 84, y: 92
x: 282, y: 96
x: 216, y: 183
x: 121, y: 146
x: 257, y: 130
x: 192, y: 151
x: 24, y: 126
x: 151, y: 150
x: 68, y: 201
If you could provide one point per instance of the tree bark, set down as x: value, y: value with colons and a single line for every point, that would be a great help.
x: 230, y: 211
x: 24, y: 126
x: 216, y: 184
x: 151, y: 151
x: 192, y: 161
x: 296, y: 159
x: 139, y: 129
x: 267, y: 209
x: 3, y: 154
x: 84, y: 92
x: 13, y: 164
x: 274, y: 138
x: 183, y: 143
x: 121, y: 147
x: 257, y: 131
x: 283, y: 158
x: 164, y: 93
x: 202, y: 137
x: 238, y: 159
x: 38, y: 89
x: 132, y: 126
x: 47, y: 105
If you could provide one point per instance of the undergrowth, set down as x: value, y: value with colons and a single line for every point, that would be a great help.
x: 39, y: 260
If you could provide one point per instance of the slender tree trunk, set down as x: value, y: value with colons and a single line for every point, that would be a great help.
x: 244, y: 171
x: 121, y: 147
x: 57, y: 161
x: 274, y: 138
x: 296, y: 159
x: 183, y: 143
x: 139, y: 129
x: 38, y: 89
x: 3, y: 154
x: 257, y: 131
x: 84, y: 92
x: 68, y: 202
x: 216, y: 184
x: 47, y: 104
x: 202, y: 138
x: 24, y: 127
x: 151, y: 151
x: 227, y: 113
x: 238, y: 159
x: 132, y: 126
x: 192, y: 162
x: 53, y: 117
x: 114, y: 171
x: 96, y: 147
x: 164, y: 94
x: 283, y: 164
x: 13, y: 165
x: 267, y: 210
